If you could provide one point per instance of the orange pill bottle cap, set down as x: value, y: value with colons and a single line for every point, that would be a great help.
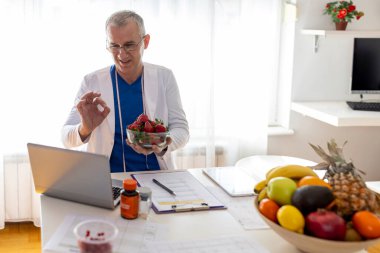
x: 129, y: 184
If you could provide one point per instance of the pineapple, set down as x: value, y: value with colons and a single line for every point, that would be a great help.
x: 350, y: 191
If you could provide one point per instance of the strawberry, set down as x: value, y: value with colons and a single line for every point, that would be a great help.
x: 148, y: 127
x: 153, y: 123
x: 160, y: 129
x: 134, y: 126
x: 142, y: 119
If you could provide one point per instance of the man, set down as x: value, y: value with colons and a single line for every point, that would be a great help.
x: 111, y: 98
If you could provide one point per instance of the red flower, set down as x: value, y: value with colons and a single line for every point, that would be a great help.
x: 327, y: 6
x: 342, y: 12
x: 351, y: 8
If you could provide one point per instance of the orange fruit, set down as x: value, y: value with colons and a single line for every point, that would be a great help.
x: 312, y: 180
x: 367, y: 224
x: 269, y: 209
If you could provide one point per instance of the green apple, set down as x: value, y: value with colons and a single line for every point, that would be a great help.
x: 281, y: 189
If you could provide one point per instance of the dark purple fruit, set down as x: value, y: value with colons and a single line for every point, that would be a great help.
x: 310, y: 198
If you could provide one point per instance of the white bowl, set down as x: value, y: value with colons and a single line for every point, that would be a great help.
x: 311, y: 244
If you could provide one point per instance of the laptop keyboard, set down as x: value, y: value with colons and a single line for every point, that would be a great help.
x: 116, y: 194
x: 364, y: 106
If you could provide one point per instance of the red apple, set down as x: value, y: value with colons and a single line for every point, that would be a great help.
x: 326, y: 225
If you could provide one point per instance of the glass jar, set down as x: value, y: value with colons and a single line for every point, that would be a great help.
x: 145, y: 201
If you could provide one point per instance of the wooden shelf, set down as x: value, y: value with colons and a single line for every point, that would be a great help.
x: 336, y: 113
x: 348, y: 33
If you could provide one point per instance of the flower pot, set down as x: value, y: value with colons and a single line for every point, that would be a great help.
x: 341, y: 26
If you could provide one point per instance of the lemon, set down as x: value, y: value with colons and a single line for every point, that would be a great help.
x: 291, y: 218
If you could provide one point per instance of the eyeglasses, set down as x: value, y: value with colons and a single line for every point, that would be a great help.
x: 115, y: 48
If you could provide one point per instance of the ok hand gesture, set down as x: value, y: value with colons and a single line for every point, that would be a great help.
x: 93, y: 110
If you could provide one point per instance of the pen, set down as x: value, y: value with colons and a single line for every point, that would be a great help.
x: 163, y: 187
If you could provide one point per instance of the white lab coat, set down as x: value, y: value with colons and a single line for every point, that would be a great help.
x: 162, y: 100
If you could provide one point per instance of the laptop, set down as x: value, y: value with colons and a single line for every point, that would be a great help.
x: 233, y: 180
x: 73, y: 175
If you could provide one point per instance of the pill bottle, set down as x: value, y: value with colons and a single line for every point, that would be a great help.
x: 129, y: 200
x: 145, y: 201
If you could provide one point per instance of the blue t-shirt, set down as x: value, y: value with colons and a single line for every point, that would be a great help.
x: 131, y: 105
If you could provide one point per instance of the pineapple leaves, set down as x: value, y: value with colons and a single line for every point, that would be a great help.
x: 334, y: 158
x: 322, y: 154
x: 336, y: 152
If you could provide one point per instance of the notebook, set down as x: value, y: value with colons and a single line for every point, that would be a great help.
x: 73, y: 175
x: 233, y: 180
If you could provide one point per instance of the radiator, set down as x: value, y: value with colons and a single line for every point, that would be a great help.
x: 20, y: 201
x: 196, y: 158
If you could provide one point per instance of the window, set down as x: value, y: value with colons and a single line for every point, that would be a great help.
x: 223, y: 53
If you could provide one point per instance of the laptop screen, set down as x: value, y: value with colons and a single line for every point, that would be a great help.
x: 71, y: 175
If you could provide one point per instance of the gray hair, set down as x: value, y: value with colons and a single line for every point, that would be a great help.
x: 121, y: 18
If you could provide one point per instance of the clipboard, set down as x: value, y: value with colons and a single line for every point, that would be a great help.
x: 191, y: 195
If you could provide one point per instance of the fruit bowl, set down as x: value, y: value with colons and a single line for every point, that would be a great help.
x: 311, y: 244
x: 145, y: 139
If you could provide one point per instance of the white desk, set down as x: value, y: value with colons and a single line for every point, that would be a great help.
x: 182, y: 226
x: 336, y: 113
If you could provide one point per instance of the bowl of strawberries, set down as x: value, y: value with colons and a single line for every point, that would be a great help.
x: 146, y: 133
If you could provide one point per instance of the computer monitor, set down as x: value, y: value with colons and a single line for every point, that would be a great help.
x: 365, y: 77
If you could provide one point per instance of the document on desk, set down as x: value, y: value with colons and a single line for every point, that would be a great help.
x: 177, y: 191
x: 242, y: 209
x: 133, y: 234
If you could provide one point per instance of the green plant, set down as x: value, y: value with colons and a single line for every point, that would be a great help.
x: 342, y: 11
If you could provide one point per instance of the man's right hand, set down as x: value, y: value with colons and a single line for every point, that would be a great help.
x: 93, y: 110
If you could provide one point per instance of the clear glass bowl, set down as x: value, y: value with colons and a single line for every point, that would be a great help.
x: 146, y: 140
x: 95, y: 236
x: 312, y: 244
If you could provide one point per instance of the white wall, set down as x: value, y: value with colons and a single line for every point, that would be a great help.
x: 325, y: 75
x: 363, y: 146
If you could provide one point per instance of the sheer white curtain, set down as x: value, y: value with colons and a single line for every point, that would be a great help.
x: 223, y: 53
